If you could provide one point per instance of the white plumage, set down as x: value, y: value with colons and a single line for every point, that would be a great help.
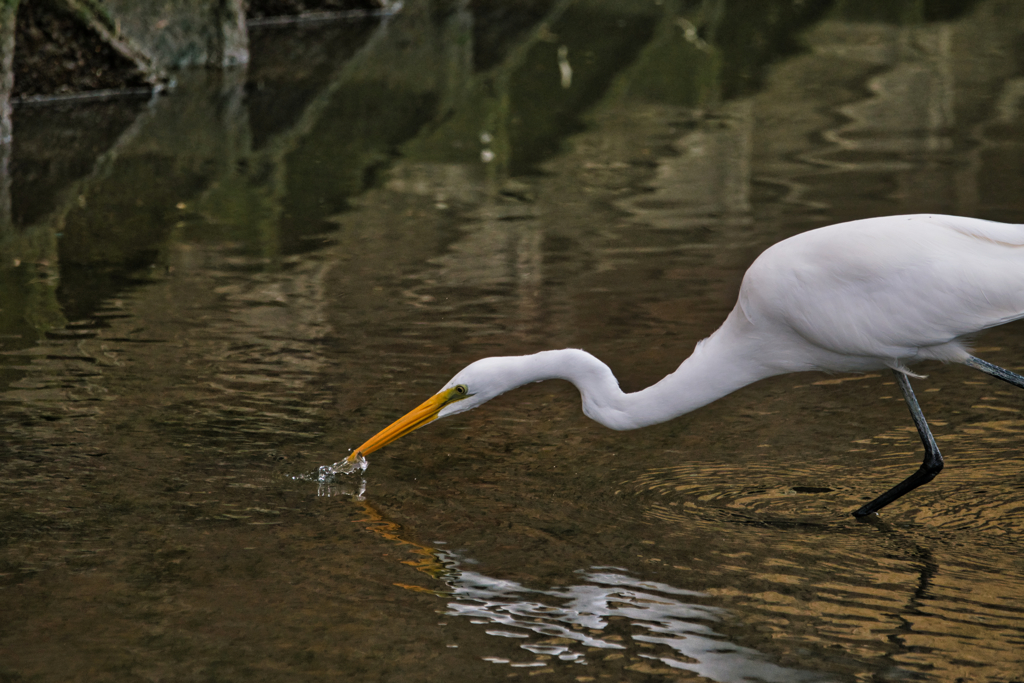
x: 858, y: 296
x: 885, y: 292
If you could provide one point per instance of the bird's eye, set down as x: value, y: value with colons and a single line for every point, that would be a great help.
x: 461, y: 389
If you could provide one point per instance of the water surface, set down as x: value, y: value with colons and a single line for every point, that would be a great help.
x: 264, y: 268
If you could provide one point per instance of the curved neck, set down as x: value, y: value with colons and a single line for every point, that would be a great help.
x: 719, y: 365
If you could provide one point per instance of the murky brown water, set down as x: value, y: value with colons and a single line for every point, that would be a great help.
x: 269, y: 267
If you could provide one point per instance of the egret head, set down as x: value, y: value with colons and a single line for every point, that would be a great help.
x: 476, y: 384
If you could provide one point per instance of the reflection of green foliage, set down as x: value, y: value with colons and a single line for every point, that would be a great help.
x: 902, y: 11
x: 674, y: 70
x: 242, y: 210
x: 30, y: 309
x: 673, y: 52
x: 455, y: 140
x: 600, y: 44
x: 527, y: 111
x: 128, y: 214
x: 357, y: 133
x: 682, y: 54
x: 13, y: 284
x: 29, y: 306
x: 500, y: 27
x: 233, y: 204
x: 42, y: 310
x: 7, y: 7
x: 753, y: 35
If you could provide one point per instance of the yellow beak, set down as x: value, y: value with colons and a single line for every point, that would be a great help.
x: 423, y: 414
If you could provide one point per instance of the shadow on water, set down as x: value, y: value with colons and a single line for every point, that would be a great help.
x: 211, y: 293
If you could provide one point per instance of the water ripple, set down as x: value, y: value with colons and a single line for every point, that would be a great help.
x: 608, y: 610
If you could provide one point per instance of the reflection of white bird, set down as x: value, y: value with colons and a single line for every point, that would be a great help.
x: 853, y: 297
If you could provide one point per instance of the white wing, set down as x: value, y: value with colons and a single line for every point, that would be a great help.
x: 900, y: 288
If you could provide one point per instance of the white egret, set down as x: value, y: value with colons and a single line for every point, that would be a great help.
x: 853, y: 297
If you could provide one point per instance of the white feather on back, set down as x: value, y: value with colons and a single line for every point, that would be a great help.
x: 904, y: 288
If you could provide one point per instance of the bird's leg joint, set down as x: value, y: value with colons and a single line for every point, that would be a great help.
x: 930, y: 466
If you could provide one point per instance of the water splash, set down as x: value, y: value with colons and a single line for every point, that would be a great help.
x: 328, y: 478
x: 328, y: 473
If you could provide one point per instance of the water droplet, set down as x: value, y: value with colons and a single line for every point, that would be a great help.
x: 327, y: 473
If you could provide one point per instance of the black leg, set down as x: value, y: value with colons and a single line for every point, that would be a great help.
x: 932, y: 463
x: 996, y: 371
